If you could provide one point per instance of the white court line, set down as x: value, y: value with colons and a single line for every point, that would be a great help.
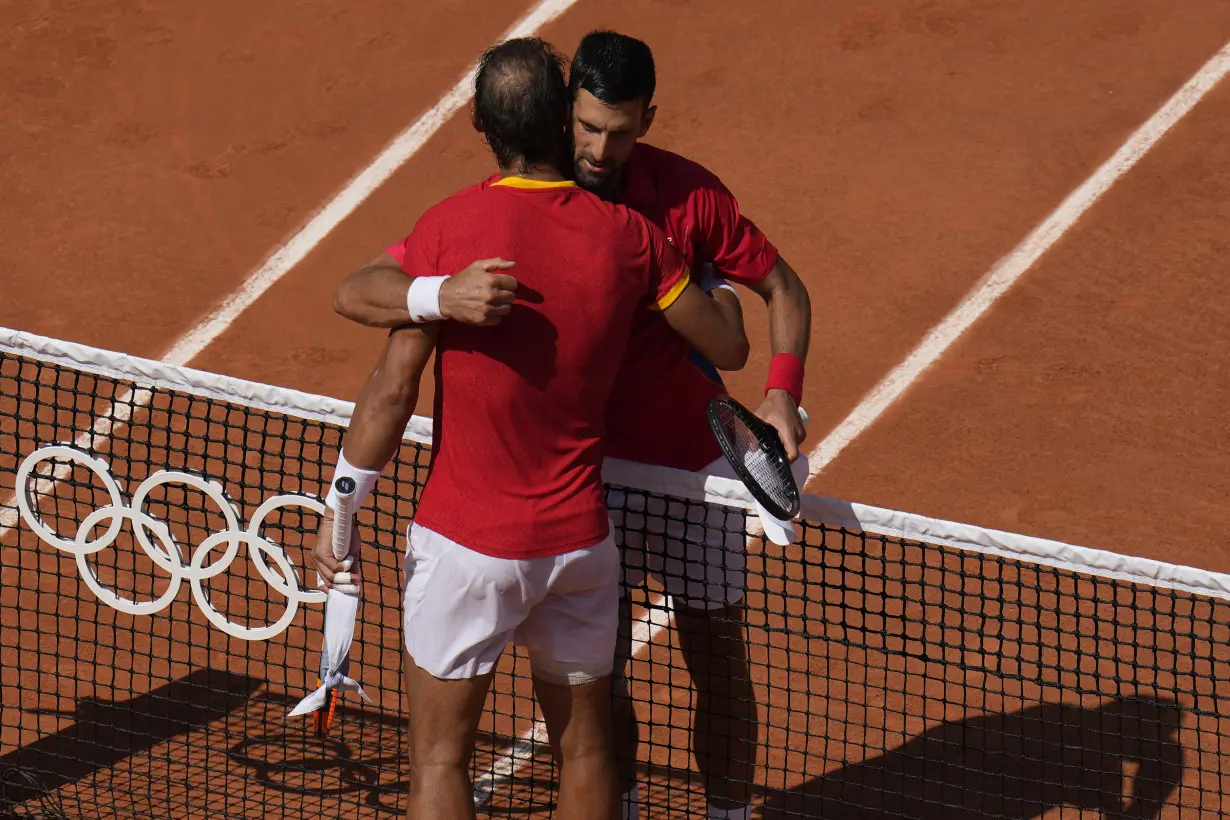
x: 314, y: 231
x: 993, y: 285
x: 1009, y: 269
x: 406, y: 145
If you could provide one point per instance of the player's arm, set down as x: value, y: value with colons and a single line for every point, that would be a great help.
x: 742, y: 254
x: 382, y: 294
x: 381, y: 413
x: 712, y: 323
x: 789, y: 306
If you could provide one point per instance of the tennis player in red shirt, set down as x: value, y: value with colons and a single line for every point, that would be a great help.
x: 511, y: 540
x: 657, y: 410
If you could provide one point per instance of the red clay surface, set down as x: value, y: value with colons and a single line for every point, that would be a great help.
x: 1093, y: 404
x: 156, y: 152
x: 159, y: 154
x: 894, y: 151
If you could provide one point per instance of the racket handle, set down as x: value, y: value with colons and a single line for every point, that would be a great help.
x: 803, y: 417
x: 342, y: 519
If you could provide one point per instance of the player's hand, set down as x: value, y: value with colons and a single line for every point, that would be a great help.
x: 480, y: 294
x: 332, y: 572
x: 779, y: 410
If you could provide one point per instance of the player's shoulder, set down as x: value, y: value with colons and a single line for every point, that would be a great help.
x: 624, y: 221
x: 460, y: 201
x: 673, y: 170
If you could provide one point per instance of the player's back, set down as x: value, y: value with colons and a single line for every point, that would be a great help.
x: 520, y: 406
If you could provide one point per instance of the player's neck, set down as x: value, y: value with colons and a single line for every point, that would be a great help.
x: 541, y: 172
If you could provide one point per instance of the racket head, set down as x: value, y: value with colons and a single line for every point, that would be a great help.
x: 756, y: 454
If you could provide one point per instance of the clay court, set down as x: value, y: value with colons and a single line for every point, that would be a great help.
x: 179, y: 186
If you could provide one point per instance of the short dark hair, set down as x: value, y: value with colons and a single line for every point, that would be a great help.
x: 521, y: 102
x: 613, y: 67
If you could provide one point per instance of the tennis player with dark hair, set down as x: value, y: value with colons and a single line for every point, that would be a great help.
x: 511, y: 540
x: 657, y: 410
x: 703, y: 565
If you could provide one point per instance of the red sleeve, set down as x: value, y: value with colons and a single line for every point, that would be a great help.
x: 398, y: 252
x: 668, y: 270
x: 726, y: 237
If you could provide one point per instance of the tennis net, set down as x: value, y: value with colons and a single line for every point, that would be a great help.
x: 157, y: 624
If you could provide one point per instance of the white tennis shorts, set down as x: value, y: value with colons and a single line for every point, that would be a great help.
x: 697, y: 552
x: 462, y: 608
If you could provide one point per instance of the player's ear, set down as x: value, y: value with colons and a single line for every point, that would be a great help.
x: 647, y: 120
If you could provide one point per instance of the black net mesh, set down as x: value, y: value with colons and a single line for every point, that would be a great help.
x: 878, y: 677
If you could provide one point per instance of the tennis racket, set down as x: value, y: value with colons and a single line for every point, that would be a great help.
x: 342, y: 522
x: 756, y: 455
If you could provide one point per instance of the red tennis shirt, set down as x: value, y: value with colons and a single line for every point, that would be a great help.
x: 520, y: 408
x: 657, y: 409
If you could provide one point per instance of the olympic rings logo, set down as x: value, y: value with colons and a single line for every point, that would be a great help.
x: 163, y: 549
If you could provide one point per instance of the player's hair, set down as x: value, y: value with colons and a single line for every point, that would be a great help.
x: 613, y: 67
x: 521, y: 103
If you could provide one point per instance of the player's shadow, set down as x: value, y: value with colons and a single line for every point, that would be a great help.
x: 524, y: 328
x: 1122, y: 759
x: 362, y: 763
x: 104, y: 733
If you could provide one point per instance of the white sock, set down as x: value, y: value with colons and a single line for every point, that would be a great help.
x: 630, y: 803
x: 740, y: 813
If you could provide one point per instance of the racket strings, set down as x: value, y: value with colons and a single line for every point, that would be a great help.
x: 767, y: 468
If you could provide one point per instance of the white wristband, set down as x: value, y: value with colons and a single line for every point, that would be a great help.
x: 423, y: 298
x: 364, y: 481
x: 710, y: 282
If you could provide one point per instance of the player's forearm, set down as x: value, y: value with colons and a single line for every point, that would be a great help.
x: 711, y: 323
x: 379, y: 421
x: 374, y: 295
x: 388, y: 398
x: 380, y: 294
x: 789, y: 310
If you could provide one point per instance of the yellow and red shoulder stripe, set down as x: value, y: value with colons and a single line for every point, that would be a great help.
x: 532, y: 184
x: 671, y: 295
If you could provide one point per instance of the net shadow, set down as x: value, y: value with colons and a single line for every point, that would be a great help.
x: 106, y: 732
